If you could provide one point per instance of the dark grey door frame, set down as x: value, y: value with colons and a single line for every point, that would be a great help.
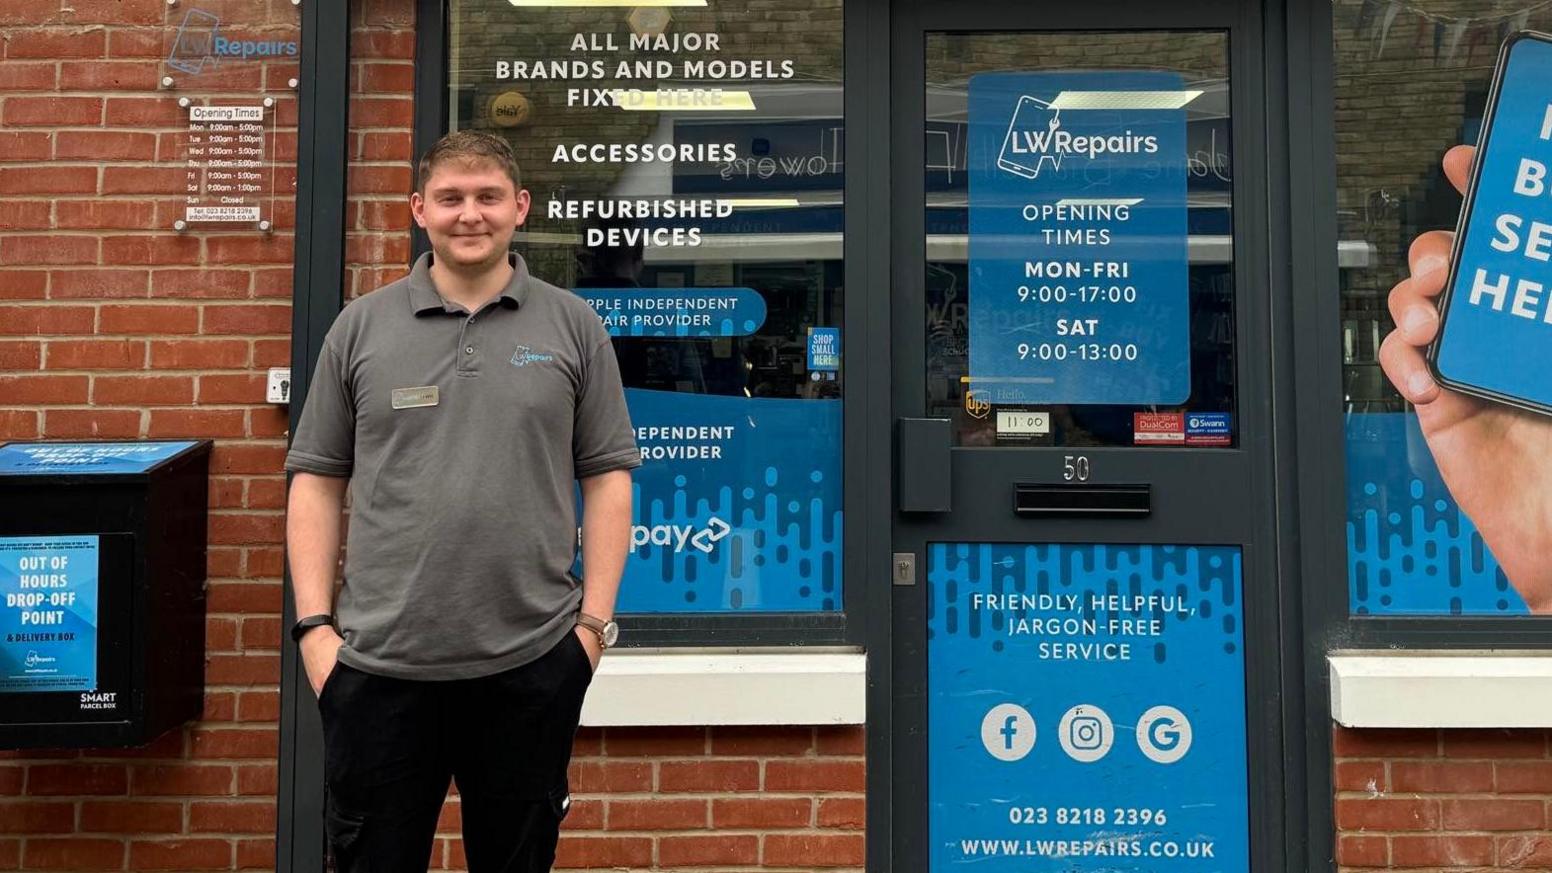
x: 1265, y: 217
x: 1314, y: 544
x: 323, y: 157
x: 431, y: 50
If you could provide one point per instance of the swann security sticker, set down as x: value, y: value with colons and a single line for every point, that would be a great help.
x: 410, y: 398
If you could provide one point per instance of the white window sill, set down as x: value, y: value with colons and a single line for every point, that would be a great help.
x: 1432, y: 689
x: 642, y: 687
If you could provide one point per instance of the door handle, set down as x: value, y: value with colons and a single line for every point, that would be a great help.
x: 923, y: 464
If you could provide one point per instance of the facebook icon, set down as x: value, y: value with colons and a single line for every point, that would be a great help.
x: 1008, y: 732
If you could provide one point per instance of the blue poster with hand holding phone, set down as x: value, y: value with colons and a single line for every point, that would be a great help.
x: 1446, y: 510
x: 1496, y: 339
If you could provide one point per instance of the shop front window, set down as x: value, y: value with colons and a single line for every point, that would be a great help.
x: 1446, y: 497
x: 686, y: 167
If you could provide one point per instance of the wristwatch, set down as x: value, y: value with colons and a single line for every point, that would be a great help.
x: 302, y: 626
x: 608, y: 632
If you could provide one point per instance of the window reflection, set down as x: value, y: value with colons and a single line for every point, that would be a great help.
x: 687, y: 171
x: 785, y: 182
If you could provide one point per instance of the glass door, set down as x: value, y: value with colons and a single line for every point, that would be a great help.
x: 1086, y: 593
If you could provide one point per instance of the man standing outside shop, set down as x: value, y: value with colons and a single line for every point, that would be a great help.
x: 459, y: 404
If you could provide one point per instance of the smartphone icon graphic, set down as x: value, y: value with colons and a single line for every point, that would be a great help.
x: 1029, y: 143
x: 1495, y: 337
x: 195, y: 42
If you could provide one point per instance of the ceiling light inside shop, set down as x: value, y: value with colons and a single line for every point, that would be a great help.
x: 607, y: 3
x: 649, y: 21
x: 1123, y: 99
x: 683, y: 100
x: 760, y: 202
x: 1099, y: 201
x: 548, y: 239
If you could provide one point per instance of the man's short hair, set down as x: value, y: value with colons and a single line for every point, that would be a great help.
x: 468, y: 146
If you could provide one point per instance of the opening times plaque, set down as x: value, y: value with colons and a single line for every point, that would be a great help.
x: 1079, y: 277
x: 241, y: 59
x: 230, y: 179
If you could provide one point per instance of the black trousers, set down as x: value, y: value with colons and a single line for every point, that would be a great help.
x: 392, y: 745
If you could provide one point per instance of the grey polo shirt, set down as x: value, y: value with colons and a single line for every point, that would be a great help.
x: 462, y: 434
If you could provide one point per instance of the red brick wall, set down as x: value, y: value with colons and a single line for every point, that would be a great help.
x: 113, y: 326
x: 769, y: 798
x: 1432, y: 799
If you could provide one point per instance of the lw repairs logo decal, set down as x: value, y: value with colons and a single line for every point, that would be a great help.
x: 200, y: 41
x: 524, y: 356
x: 1036, y: 140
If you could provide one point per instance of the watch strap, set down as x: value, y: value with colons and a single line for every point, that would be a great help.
x: 598, y: 626
x: 304, y: 625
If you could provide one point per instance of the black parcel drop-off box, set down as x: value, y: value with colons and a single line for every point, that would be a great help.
x: 102, y: 574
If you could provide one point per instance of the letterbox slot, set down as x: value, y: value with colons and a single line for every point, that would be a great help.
x: 1086, y: 501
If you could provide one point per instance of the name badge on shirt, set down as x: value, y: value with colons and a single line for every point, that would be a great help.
x: 411, y: 398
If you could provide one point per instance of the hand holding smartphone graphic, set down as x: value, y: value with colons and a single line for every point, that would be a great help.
x: 1495, y: 458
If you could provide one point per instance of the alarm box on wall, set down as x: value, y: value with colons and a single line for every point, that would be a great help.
x: 102, y: 573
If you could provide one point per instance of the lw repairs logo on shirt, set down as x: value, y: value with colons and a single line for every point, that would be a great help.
x: 524, y: 356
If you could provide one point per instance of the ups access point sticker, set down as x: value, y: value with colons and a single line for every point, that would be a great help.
x: 1158, y: 428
